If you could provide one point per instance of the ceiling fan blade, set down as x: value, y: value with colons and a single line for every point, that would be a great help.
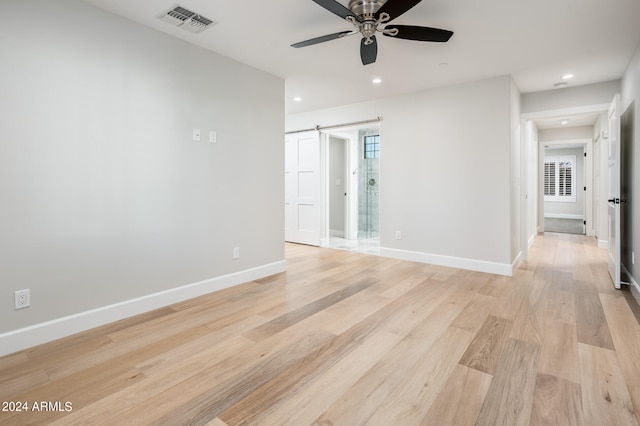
x: 368, y: 52
x: 412, y: 32
x: 396, y: 8
x: 334, y: 7
x: 322, y: 39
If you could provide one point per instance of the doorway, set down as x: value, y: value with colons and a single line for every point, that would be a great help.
x: 352, y: 188
x: 337, y: 185
x: 565, y: 187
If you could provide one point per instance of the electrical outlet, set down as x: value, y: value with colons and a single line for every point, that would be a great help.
x: 23, y: 299
x: 398, y: 235
x: 236, y: 252
x: 213, y: 136
x: 196, y: 134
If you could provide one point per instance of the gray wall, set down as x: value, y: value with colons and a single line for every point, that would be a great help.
x: 631, y: 95
x: 445, y: 170
x: 337, y: 185
x: 105, y: 196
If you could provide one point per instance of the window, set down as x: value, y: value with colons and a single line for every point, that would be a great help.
x: 372, y: 146
x: 560, y: 179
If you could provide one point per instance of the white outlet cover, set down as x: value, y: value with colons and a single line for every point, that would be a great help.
x: 22, y: 299
x: 196, y: 134
x: 213, y: 137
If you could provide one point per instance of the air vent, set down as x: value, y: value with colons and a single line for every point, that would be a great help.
x: 186, y: 19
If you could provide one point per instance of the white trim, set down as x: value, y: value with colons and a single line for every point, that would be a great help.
x: 37, y: 334
x: 565, y: 111
x: 450, y: 261
x: 635, y: 290
x: 563, y: 216
x: 603, y: 244
x: 633, y: 285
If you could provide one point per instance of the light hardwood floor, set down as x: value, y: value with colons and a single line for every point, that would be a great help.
x: 345, y: 338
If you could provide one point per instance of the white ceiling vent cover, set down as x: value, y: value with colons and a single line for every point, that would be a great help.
x: 186, y: 19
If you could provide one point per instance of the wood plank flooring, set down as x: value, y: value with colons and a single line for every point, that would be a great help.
x: 344, y: 338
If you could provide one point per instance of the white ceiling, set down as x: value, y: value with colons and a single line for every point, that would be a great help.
x: 535, y: 41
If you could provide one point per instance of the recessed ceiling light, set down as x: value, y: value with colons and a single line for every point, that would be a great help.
x: 567, y: 76
x: 377, y: 81
x: 443, y: 64
x: 297, y: 99
x: 560, y: 85
x: 564, y: 122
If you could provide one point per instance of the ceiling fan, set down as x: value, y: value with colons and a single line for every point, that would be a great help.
x: 371, y: 16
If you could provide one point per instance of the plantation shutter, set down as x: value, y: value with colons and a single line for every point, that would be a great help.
x: 566, y: 173
x: 550, y: 178
x: 560, y: 179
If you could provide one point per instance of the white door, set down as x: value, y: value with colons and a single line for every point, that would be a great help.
x: 302, y: 188
x: 614, y: 191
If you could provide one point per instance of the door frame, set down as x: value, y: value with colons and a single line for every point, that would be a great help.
x: 587, y: 208
x: 349, y: 133
x: 529, y: 211
x: 346, y: 142
x: 614, y: 255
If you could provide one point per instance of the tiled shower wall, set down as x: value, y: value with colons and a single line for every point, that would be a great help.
x: 368, y: 190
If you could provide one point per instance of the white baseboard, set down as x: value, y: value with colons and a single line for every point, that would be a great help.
x: 515, y: 264
x: 635, y: 290
x: 37, y: 334
x: 603, y: 244
x: 453, y: 262
x: 563, y: 216
x: 633, y: 285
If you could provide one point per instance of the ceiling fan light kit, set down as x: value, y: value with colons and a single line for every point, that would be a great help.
x: 370, y: 17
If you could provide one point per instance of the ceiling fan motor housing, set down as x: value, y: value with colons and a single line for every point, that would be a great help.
x: 366, y: 8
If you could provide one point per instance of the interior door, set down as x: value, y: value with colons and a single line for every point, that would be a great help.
x: 302, y: 188
x: 614, y: 192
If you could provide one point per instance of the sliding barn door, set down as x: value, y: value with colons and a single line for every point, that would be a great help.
x: 302, y: 188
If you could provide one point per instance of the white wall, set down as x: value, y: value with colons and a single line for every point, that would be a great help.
x: 630, y: 94
x: 516, y: 173
x: 591, y: 94
x: 105, y: 196
x: 532, y: 157
x: 445, y: 171
x: 566, y: 133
